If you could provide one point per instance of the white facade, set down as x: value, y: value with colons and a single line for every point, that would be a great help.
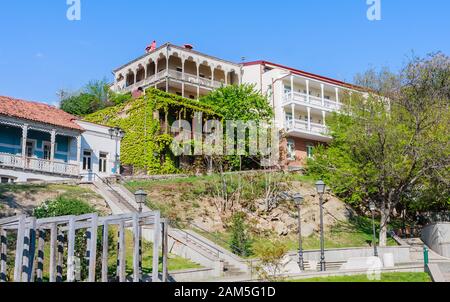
x: 103, y: 150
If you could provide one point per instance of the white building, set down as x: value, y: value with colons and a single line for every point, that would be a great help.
x: 302, y: 101
x: 178, y: 70
x: 39, y: 142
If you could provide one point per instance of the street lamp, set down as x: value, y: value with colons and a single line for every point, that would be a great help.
x: 141, y: 197
x: 320, y: 187
x: 118, y: 134
x: 298, y: 199
x: 373, y: 208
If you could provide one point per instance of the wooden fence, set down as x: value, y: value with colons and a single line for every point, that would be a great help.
x: 32, y: 235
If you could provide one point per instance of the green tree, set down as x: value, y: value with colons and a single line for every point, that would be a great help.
x: 239, y: 103
x: 240, y: 241
x: 95, y: 96
x: 392, y: 146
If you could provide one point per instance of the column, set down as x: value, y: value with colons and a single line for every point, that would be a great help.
x: 198, y: 92
x: 337, y: 95
x: 307, y: 90
x: 292, y: 87
x: 309, y: 119
x: 198, y: 72
x: 324, y: 116
x: 156, y: 68
x: 293, y: 115
x: 212, y: 75
x: 24, y: 143
x: 226, y: 78
x: 79, y: 150
x: 182, y: 69
x: 182, y: 89
x: 322, y: 89
x: 52, y: 149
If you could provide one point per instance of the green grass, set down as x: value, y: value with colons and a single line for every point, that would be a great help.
x: 69, y: 191
x: 388, y: 277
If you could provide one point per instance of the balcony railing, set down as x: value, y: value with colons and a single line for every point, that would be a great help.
x: 177, y: 75
x: 38, y: 165
x: 312, y: 100
x: 299, y: 125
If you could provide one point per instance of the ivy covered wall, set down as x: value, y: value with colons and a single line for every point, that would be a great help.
x: 147, y: 121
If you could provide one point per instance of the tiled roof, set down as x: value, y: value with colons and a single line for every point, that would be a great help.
x: 37, y: 112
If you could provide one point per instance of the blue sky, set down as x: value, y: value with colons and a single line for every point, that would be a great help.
x: 42, y: 52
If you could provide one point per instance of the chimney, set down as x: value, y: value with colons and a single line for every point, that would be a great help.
x: 151, y: 47
x: 188, y: 46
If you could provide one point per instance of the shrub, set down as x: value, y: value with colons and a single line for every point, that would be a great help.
x: 271, y: 254
x: 62, y: 206
x: 240, y: 241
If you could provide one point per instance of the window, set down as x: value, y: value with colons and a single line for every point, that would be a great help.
x: 291, y: 149
x: 87, y: 160
x: 4, y: 180
x: 102, y: 162
x: 310, y: 151
x: 30, y: 149
x: 287, y: 89
x: 47, y: 150
x: 179, y: 69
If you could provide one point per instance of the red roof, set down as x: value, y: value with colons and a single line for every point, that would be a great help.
x: 37, y: 112
x: 307, y: 74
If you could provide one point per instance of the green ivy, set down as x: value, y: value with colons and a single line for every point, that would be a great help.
x: 145, y: 146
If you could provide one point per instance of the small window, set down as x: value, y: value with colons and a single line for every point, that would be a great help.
x: 102, y: 162
x: 179, y: 69
x: 291, y: 149
x: 87, y: 160
x: 310, y: 151
x: 4, y: 180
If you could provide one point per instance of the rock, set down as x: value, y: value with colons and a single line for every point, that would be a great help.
x: 307, y: 229
x: 281, y: 229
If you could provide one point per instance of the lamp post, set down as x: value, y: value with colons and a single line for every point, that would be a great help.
x: 372, y: 208
x: 298, y: 199
x: 118, y: 134
x: 320, y: 187
x: 141, y: 197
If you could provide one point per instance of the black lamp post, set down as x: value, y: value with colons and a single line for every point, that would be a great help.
x: 118, y: 134
x: 372, y: 208
x: 298, y: 199
x: 320, y: 187
x: 141, y: 197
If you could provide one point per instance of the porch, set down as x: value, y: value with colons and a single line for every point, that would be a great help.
x: 38, y: 148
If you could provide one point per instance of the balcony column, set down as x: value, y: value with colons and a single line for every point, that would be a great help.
x: 198, y: 72
x: 24, y: 143
x: 309, y: 119
x: 52, y: 148
x: 324, y: 116
x: 292, y: 87
x: 322, y: 89
x: 307, y: 91
x: 198, y: 92
x: 212, y: 75
x: 79, y: 151
x: 226, y: 77
x: 293, y: 115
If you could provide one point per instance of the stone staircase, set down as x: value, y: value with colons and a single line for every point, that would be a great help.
x: 330, y: 266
